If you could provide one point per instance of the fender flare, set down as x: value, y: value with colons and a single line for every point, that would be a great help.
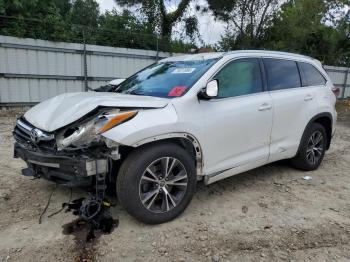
x: 192, y: 139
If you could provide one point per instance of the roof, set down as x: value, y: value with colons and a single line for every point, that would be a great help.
x: 211, y: 55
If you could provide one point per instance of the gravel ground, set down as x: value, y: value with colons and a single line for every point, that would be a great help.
x: 267, y: 214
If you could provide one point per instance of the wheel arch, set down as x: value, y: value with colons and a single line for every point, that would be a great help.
x: 326, y: 120
x: 186, y: 140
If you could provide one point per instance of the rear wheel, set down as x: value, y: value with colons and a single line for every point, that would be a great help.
x: 312, y: 148
x: 157, y: 182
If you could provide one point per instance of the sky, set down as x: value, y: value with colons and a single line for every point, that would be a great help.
x: 209, y: 29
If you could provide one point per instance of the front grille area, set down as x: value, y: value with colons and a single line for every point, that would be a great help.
x: 22, y: 134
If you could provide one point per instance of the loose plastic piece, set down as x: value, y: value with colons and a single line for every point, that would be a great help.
x: 307, y: 177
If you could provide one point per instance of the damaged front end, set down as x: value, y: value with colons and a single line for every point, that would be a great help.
x: 71, y: 155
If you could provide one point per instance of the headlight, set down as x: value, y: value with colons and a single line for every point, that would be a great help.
x: 90, y: 131
x: 106, y: 122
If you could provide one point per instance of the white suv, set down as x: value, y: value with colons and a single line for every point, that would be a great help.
x: 183, y: 119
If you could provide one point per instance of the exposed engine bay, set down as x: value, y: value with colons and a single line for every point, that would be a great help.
x: 72, y: 154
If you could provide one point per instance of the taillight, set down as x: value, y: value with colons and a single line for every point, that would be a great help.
x: 336, y: 91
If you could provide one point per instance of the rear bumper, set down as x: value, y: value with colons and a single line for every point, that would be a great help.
x: 66, y: 170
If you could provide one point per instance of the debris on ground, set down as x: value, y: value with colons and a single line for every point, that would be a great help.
x: 334, y: 209
x: 307, y: 178
x: 267, y: 226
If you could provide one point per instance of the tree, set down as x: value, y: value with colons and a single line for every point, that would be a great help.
x: 343, y: 27
x: 83, y: 20
x: 64, y: 6
x: 159, y: 18
x: 304, y: 26
x: 2, y: 7
x: 246, y: 20
x: 85, y: 12
x: 35, y: 19
x: 75, y: 20
x: 124, y: 29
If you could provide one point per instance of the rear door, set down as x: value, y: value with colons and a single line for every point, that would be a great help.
x: 293, y: 106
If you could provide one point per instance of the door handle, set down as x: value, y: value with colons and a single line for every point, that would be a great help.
x: 265, y: 106
x: 308, y: 97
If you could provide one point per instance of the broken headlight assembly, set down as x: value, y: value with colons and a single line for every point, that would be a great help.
x: 89, y: 132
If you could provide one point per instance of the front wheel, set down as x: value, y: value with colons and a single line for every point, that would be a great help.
x: 156, y: 182
x: 312, y: 148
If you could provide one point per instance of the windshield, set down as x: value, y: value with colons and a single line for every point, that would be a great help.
x: 165, y: 79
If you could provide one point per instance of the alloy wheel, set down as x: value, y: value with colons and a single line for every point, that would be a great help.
x: 163, y: 185
x: 315, y: 147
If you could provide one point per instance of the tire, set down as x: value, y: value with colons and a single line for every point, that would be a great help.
x: 134, y: 185
x: 308, y: 157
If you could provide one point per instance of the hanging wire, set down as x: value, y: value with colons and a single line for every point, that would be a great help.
x: 63, y: 205
x: 48, y: 203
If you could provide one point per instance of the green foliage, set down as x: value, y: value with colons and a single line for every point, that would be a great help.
x: 124, y: 30
x: 63, y: 6
x: 155, y: 12
x: 79, y: 21
x: 191, y: 27
x: 2, y: 7
x: 309, y: 27
x: 176, y: 46
x: 301, y: 27
x: 246, y: 20
x: 317, y: 28
x: 32, y: 18
x: 85, y: 12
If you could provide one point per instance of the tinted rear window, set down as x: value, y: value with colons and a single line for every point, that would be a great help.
x: 281, y: 74
x: 310, y: 75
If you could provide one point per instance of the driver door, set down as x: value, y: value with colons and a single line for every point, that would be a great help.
x: 238, y: 121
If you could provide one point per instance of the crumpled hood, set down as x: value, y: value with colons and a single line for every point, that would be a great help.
x: 64, y: 109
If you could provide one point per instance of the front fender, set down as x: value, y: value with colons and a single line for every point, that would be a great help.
x: 147, y: 123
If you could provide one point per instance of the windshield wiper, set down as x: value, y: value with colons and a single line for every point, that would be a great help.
x: 134, y: 92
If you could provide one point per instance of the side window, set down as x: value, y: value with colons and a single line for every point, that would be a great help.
x: 240, y: 77
x: 310, y: 76
x: 281, y: 74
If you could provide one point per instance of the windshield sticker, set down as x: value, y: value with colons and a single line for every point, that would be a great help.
x: 177, y: 91
x: 183, y: 70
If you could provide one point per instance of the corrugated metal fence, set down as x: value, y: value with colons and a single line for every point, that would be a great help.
x: 341, y: 78
x: 34, y: 70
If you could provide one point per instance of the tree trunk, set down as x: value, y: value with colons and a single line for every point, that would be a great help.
x: 168, y: 19
x: 166, y: 29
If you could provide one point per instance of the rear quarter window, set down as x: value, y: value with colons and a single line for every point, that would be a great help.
x: 281, y: 74
x: 310, y: 76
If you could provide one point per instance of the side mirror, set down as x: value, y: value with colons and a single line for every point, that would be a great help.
x: 210, y: 91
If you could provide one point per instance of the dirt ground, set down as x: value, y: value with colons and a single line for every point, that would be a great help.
x: 268, y: 214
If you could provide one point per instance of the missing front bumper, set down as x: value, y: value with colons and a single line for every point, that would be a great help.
x: 67, y: 170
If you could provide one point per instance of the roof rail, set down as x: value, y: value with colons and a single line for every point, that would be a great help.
x: 266, y: 51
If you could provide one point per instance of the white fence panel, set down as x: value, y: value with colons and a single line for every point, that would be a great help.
x: 33, y: 70
x: 341, y: 78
